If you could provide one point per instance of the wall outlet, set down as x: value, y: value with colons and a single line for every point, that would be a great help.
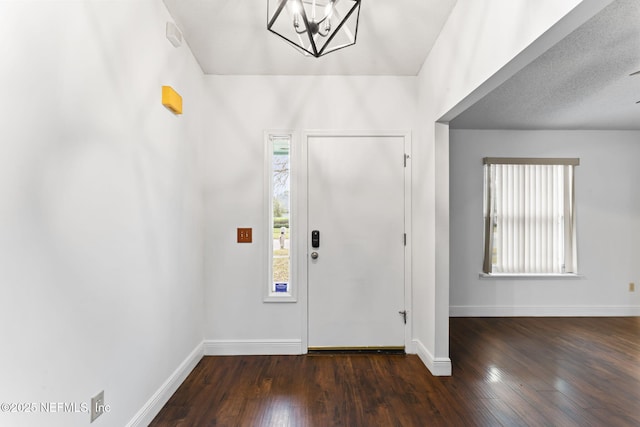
x: 632, y: 287
x: 97, y: 405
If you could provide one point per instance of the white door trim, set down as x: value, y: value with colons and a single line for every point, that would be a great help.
x: 303, y: 244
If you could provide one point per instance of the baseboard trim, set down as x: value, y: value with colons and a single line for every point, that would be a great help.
x: 439, y: 366
x: 147, y: 413
x: 544, y: 311
x: 252, y: 347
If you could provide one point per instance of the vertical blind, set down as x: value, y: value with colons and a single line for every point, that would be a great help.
x: 529, y: 216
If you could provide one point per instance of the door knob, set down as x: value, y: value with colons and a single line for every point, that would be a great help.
x: 314, y: 255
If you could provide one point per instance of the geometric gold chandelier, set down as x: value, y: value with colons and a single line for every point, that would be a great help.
x: 315, y: 27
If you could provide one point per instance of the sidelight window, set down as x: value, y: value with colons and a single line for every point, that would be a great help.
x: 279, y: 216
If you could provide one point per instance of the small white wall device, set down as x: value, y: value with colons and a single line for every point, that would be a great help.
x: 173, y: 34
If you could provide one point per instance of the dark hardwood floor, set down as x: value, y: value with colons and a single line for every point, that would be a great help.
x: 506, y: 372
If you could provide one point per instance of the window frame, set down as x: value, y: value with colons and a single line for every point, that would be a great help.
x: 570, y: 231
x: 270, y: 295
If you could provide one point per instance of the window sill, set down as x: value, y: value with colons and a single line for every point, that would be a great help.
x: 510, y: 276
x: 280, y: 297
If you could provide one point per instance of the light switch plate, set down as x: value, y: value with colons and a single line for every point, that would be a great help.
x: 244, y: 235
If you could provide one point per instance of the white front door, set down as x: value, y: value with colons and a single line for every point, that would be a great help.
x: 356, y: 202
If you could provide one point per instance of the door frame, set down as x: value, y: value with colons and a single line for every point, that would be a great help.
x: 302, y: 217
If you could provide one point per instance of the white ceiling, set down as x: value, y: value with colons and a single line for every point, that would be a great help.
x: 230, y: 37
x: 583, y: 82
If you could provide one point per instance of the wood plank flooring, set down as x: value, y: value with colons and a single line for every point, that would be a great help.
x: 506, y: 372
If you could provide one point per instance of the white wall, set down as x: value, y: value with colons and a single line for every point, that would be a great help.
x: 100, y: 207
x: 482, y: 44
x: 100, y: 203
x: 608, y: 215
x: 238, y: 110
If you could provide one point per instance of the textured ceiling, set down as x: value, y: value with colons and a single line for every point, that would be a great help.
x: 230, y: 37
x: 581, y: 83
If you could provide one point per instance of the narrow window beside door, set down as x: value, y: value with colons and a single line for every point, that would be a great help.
x: 278, y: 171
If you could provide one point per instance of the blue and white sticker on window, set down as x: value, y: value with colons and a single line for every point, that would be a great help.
x: 282, y: 287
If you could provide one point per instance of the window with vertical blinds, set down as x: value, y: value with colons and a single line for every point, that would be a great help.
x: 529, y: 216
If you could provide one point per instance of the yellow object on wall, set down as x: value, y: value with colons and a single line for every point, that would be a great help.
x: 171, y: 99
